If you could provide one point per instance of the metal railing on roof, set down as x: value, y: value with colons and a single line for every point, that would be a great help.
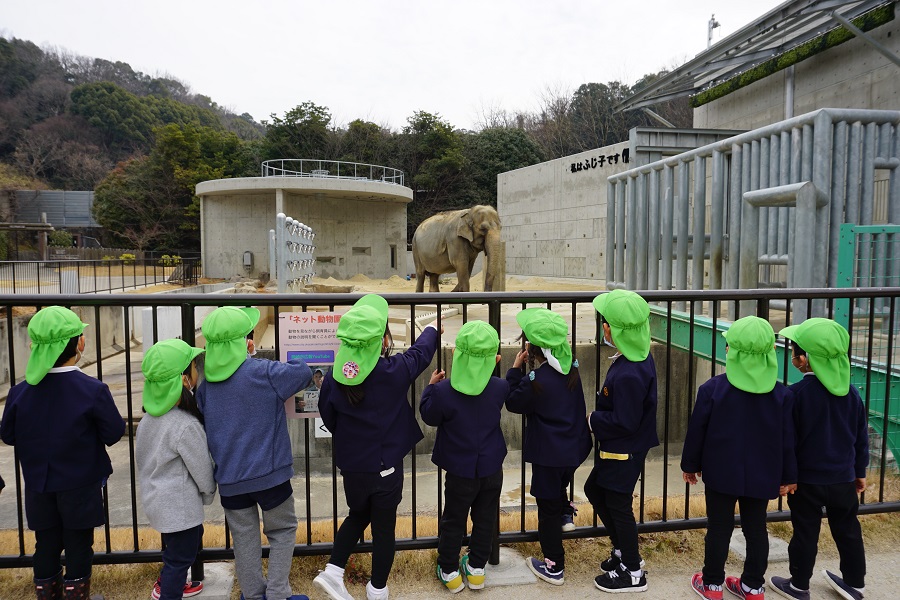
x: 330, y: 169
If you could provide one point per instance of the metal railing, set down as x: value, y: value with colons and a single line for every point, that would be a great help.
x: 689, y: 352
x: 774, y: 197
x: 89, y: 276
x: 330, y: 169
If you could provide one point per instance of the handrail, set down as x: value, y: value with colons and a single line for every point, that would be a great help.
x: 331, y: 169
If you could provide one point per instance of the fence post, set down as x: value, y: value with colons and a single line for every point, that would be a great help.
x: 189, y: 335
x: 494, y: 320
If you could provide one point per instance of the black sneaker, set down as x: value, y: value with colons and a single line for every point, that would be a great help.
x: 845, y: 591
x: 613, y: 562
x: 620, y: 581
x: 783, y: 587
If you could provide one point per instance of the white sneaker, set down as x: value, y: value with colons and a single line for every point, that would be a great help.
x: 373, y: 593
x: 332, y: 586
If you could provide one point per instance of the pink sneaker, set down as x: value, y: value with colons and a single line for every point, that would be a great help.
x: 733, y: 585
x: 710, y: 592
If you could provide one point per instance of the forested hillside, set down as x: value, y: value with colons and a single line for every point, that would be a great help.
x: 143, y: 142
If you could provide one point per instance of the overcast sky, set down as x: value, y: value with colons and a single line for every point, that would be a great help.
x: 383, y: 60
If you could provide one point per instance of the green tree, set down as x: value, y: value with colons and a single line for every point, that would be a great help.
x: 119, y: 115
x: 493, y: 151
x: 303, y: 132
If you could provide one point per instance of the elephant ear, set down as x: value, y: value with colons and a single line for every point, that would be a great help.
x: 465, y: 228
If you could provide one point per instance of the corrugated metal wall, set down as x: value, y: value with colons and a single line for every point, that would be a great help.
x: 63, y: 208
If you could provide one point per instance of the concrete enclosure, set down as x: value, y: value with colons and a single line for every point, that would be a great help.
x: 360, y: 224
x: 554, y: 214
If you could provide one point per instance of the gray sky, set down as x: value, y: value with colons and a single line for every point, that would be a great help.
x: 380, y: 60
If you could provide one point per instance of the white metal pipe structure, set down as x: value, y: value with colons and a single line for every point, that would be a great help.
x: 294, y: 250
x: 837, y: 151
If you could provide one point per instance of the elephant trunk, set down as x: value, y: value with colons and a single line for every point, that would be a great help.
x: 492, y: 258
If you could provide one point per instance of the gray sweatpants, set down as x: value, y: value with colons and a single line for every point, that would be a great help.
x: 280, y: 527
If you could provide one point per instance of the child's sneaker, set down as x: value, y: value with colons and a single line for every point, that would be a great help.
x: 373, y: 593
x: 844, y: 590
x: 710, y: 592
x: 568, y: 520
x: 614, y: 561
x: 474, y: 577
x: 332, y: 585
x: 783, y: 587
x: 191, y: 588
x: 453, y: 581
x: 544, y: 570
x: 734, y: 585
x: 621, y: 580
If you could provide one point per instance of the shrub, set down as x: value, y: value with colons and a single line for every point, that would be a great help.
x: 170, y: 261
x: 126, y: 258
x: 60, y: 238
x: 108, y: 258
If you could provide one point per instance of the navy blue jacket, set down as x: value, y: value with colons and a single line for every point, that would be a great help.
x: 832, y: 434
x: 625, y: 419
x: 743, y: 443
x: 469, y: 440
x: 556, y: 433
x: 378, y: 432
x: 60, y: 428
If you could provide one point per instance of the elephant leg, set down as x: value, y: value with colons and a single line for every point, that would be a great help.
x: 433, y: 282
x: 420, y: 280
x: 462, y: 277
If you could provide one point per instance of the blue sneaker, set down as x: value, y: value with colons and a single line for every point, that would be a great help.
x: 838, y: 585
x: 544, y: 570
x: 782, y: 586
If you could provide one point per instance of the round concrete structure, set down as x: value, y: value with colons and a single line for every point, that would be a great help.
x: 360, y: 223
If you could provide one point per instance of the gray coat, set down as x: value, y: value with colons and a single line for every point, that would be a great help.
x: 175, y: 470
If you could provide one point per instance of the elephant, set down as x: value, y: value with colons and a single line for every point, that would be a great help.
x: 451, y: 241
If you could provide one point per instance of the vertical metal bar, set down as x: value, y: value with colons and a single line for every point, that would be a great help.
x: 763, y: 183
x: 620, y: 234
x: 888, y: 389
x: 653, y: 233
x: 838, y: 197
x: 611, y: 274
x: 698, y: 247
x: 682, y: 213
x: 667, y: 405
x: 631, y: 242
x: 717, y: 221
x: 667, y: 225
x: 735, y: 200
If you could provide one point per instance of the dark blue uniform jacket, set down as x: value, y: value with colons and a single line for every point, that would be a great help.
x: 832, y: 434
x: 469, y: 441
x: 625, y: 419
x: 61, y: 428
x: 556, y: 433
x: 743, y: 443
x: 378, y: 432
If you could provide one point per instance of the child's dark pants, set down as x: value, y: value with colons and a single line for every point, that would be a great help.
x: 482, y: 496
x: 178, y: 556
x: 841, y: 504
x: 720, y: 512
x: 373, y: 499
x: 610, y: 488
x: 548, y: 486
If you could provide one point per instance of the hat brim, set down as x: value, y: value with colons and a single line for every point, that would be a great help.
x: 253, y: 313
x: 789, y: 332
x: 600, y: 301
x: 470, y: 374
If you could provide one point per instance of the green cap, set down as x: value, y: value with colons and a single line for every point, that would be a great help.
x: 628, y: 316
x: 826, y: 344
x: 549, y: 331
x: 50, y: 329
x: 162, y: 366
x: 751, y: 364
x: 474, y: 358
x: 226, y: 330
x: 360, y: 331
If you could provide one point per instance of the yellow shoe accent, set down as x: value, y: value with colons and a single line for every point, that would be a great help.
x: 474, y: 577
x: 453, y: 581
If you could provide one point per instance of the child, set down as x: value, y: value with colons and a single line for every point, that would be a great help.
x: 174, y: 467
x: 832, y: 455
x: 364, y: 405
x: 59, y: 420
x: 470, y: 447
x: 242, y: 401
x: 740, y: 439
x: 556, y: 435
x: 624, y: 426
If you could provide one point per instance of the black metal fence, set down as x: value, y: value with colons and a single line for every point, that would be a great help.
x: 88, y: 276
x: 686, y: 356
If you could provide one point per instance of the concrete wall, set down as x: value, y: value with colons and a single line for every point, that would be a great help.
x: 554, y: 219
x: 852, y: 75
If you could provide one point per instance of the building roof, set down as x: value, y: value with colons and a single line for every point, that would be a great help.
x: 780, y: 30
